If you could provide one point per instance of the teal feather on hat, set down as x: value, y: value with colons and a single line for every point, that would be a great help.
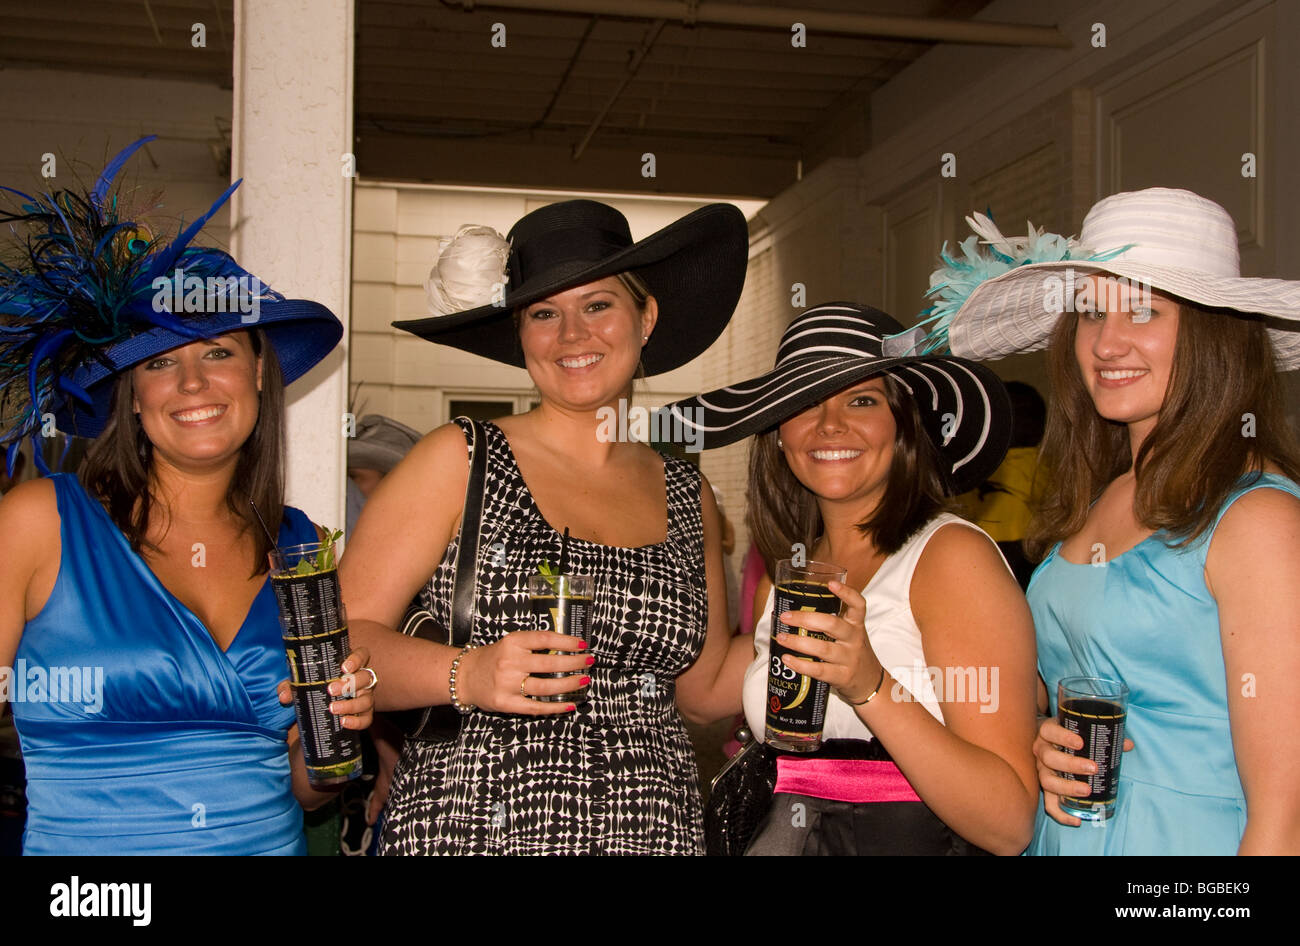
x: 985, y: 255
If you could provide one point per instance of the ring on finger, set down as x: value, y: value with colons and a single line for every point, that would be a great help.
x: 522, y: 692
x: 374, y: 678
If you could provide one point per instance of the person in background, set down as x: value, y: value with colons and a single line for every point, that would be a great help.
x: 728, y: 546
x: 755, y: 586
x: 379, y: 445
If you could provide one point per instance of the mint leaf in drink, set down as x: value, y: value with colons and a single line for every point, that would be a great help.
x: 325, y: 558
x: 550, y: 573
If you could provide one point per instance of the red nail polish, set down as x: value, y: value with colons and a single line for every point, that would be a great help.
x: 582, y: 645
x: 584, y: 681
x: 590, y: 661
x: 571, y: 708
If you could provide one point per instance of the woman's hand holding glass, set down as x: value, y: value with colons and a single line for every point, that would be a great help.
x: 355, y: 697
x: 499, y: 676
x: 847, y: 661
x: 1054, y: 766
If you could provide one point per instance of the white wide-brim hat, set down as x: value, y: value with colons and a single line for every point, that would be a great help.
x: 1173, y: 241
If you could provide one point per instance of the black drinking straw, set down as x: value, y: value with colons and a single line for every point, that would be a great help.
x: 564, y: 551
x: 266, y: 530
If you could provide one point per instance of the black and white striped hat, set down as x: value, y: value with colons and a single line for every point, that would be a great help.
x: 963, y: 405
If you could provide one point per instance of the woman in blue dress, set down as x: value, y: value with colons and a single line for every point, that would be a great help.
x: 139, y: 633
x: 1171, y: 526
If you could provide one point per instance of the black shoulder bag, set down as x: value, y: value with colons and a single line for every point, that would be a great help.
x: 442, y: 723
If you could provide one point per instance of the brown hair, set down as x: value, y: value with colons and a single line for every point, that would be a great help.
x: 782, y: 511
x: 1223, y: 379
x: 118, y: 468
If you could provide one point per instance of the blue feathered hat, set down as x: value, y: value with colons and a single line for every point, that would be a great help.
x: 92, y: 294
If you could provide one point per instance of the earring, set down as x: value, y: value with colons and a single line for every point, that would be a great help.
x: 779, y: 444
x: 644, y: 339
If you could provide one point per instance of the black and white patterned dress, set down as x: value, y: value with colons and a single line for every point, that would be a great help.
x: 617, y: 776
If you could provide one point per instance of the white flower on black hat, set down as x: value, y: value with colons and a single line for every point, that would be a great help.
x: 470, y: 270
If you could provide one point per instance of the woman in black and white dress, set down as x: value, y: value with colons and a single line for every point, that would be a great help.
x: 616, y: 773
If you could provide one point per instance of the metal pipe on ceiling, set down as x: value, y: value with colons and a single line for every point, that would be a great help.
x: 857, y: 24
x: 568, y: 70
x: 632, y: 68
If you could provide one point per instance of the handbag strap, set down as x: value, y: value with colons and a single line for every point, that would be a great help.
x: 471, y: 520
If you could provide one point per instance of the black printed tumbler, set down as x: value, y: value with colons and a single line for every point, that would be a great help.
x: 796, y: 703
x: 1095, y: 708
x: 563, y: 603
x: 314, y: 627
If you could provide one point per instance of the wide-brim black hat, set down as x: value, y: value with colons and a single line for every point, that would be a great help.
x: 964, y: 407
x: 694, y: 267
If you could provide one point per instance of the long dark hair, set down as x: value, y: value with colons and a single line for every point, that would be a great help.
x: 119, y: 463
x: 782, y: 511
x: 1222, y: 417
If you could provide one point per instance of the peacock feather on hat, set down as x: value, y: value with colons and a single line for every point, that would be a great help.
x: 78, y: 277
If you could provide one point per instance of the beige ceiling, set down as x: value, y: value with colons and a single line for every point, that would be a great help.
x: 725, y: 110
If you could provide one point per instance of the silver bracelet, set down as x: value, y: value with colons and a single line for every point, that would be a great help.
x: 462, y: 708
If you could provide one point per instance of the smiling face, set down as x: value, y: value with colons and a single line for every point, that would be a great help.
x: 1125, y: 352
x: 842, y: 449
x: 199, y: 403
x: 582, y: 345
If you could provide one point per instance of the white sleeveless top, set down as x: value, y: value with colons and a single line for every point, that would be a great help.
x: 894, y: 637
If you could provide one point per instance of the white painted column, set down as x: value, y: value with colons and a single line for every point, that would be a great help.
x: 291, y: 220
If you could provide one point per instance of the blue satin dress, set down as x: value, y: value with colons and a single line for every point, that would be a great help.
x: 181, y: 748
x: 1146, y: 618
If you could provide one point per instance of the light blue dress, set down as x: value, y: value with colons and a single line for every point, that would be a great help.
x: 179, y: 748
x: 1147, y: 619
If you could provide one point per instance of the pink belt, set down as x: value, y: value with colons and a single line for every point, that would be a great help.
x: 851, y: 780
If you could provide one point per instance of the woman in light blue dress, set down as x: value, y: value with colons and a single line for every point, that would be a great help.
x: 1171, y: 520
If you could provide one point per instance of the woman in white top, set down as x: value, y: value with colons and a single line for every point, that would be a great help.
x: 931, y: 716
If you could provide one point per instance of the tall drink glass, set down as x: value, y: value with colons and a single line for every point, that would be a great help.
x: 1095, y: 708
x: 796, y: 703
x: 315, y: 632
x: 563, y: 603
